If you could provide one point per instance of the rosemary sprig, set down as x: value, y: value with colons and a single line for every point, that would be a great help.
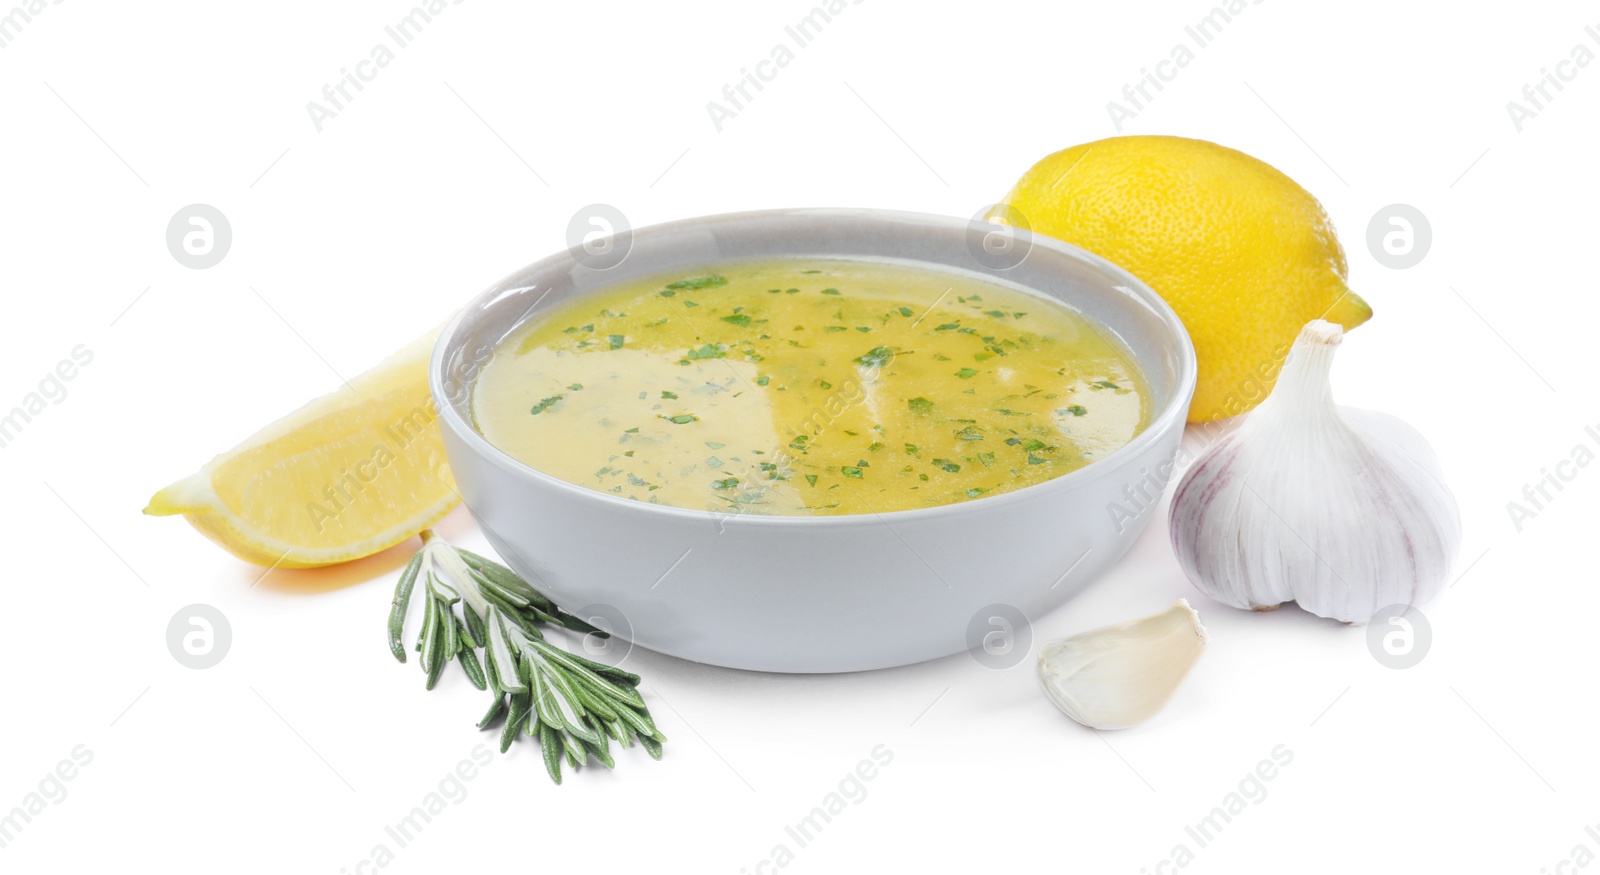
x: 572, y: 706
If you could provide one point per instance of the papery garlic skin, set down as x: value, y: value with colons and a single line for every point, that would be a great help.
x: 1343, y: 511
x: 1118, y: 676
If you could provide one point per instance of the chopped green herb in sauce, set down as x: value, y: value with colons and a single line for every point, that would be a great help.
x: 800, y: 408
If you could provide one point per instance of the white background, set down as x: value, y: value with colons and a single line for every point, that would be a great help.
x: 466, y: 157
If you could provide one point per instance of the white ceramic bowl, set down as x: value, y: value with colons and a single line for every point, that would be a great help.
x: 825, y: 593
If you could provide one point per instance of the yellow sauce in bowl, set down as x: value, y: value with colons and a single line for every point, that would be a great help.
x: 809, y: 387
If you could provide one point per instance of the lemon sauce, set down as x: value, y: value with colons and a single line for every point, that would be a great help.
x: 809, y: 387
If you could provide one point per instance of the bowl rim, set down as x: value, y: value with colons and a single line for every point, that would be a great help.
x: 1160, y: 424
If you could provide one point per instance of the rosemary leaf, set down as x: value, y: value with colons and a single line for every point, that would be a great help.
x: 545, y: 701
x: 593, y: 703
x: 515, y: 598
x: 642, y: 726
x: 651, y: 746
x: 627, y: 697
x: 401, y: 602
x: 475, y: 632
x: 609, y: 671
x: 495, y: 710
x: 505, y: 578
x: 441, y: 591
x: 499, y: 652
x: 428, y: 640
x: 448, y: 621
x: 602, y: 753
x: 514, y: 721
x: 492, y: 674
x: 572, y: 714
x: 469, y: 664
x: 464, y: 634
x: 551, y: 744
x: 576, y: 624
x: 437, y: 655
x: 575, y: 665
x: 436, y: 670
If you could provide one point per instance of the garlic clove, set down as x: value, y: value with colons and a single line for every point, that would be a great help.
x: 1121, y: 675
x: 1343, y: 511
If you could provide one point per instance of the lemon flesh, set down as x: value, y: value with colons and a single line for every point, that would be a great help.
x: 1245, y: 256
x: 349, y: 474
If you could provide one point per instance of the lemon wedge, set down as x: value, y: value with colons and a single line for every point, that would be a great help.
x: 349, y: 474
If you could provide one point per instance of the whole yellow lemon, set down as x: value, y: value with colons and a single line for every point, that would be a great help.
x: 1243, y: 254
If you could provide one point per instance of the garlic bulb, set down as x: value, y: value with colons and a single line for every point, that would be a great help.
x: 1340, y: 510
x: 1121, y: 675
